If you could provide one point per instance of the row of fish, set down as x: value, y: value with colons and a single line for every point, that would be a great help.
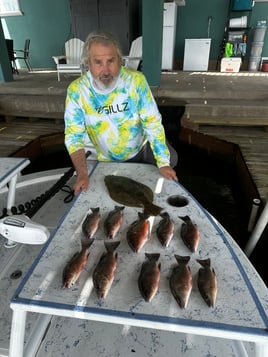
x: 180, y: 282
x: 138, y: 231
x: 134, y: 194
x: 104, y: 272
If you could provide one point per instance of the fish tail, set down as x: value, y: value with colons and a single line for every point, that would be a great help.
x: 87, y: 242
x: 143, y: 215
x: 182, y: 259
x: 204, y: 262
x: 119, y: 208
x: 164, y: 215
x: 111, y: 246
x: 95, y: 210
x: 152, y: 210
x: 152, y: 256
x: 185, y: 218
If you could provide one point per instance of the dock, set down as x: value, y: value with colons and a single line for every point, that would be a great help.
x: 229, y: 106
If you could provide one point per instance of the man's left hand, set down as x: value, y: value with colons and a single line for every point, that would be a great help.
x: 168, y: 172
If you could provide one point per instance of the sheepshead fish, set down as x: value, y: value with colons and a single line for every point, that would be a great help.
x: 181, y: 281
x: 190, y: 233
x: 74, y: 267
x: 165, y: 229
x: 131, y: 193
x: 113, y: 221
x: 91, y: 222
x: 138, y: 232
x: 207, y: 282
x: 104, y: 272
x: 149, y: 276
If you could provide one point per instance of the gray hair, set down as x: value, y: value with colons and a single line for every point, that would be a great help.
x: 105, y: 38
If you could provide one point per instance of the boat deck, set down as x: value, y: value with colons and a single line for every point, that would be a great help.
x: 71, y: 334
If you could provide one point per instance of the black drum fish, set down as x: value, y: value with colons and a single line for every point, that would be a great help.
x: 165, y: 229
x: 181, y: 281
x: 104, y: 273
x: 190, y: 234
x: 91, y: 223
x: 131, y: 193
x: 138, y: 232
x: 74, y: 267
x: 207, y: 282
x: 113, y: 221
x: 149, y: 276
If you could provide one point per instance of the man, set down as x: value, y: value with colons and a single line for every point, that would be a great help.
x: 116, y: 109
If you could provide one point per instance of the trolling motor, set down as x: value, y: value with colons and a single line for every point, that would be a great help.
x: 21, y: 229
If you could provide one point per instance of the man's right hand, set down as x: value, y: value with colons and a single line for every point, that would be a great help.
x: 81, y: 183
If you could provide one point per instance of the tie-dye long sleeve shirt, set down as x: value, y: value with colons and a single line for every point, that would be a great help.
x: 118, y: 123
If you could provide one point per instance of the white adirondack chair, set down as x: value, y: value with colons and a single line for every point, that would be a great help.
x: 73, y: 52
x: 134, y: 58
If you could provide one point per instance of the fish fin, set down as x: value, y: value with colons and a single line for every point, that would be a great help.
x: 95, y: 210
x: 182, y: 259
x: 152, y: 256
x: 151, y: 209
x: 204, y: 262
x: 111, y: 246
x: 119, y: 208
x: 185, y: 218
x: 164, y: 215
x: 87, y: 242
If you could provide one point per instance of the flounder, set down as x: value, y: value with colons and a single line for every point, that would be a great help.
x: 131, y: 193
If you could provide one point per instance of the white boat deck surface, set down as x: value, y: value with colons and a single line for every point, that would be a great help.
x: 159, y: 326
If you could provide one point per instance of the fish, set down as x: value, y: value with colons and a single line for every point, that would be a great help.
x: 190, y: 234
x: 165, y: 229
x: 207, y: 282
x: 91, y: 223
x: 149, y: 277
x: 113, y: 221
x: 104, y: 272
x: 138, y: 232
x: 74, y: 267
x: 181, y: 281
x: 131, y: 193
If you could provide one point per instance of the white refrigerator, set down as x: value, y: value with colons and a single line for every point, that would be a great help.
x: 196, y: 54
x: 169, y: 35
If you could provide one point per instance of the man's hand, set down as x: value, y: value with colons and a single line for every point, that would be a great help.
x: 168, y: 172
x: 81, y: 183
x: 82, y: 179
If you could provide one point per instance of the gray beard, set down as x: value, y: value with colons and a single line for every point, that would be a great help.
x: 105, y: 86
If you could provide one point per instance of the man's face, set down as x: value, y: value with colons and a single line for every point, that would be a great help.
x: 104, y: 64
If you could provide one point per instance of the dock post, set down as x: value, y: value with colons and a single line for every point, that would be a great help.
x: 257, y: 232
